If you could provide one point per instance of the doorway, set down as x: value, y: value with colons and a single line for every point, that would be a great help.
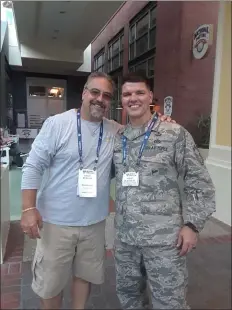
x: 45, y: 98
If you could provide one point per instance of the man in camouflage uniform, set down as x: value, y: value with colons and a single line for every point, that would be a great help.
x: 153, y: 224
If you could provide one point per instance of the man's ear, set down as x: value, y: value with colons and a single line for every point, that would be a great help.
x: 83, y: 93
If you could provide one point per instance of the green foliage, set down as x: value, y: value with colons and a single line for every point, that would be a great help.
x: 204, y: 126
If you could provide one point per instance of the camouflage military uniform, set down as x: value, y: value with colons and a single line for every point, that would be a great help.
x: 149, y: 217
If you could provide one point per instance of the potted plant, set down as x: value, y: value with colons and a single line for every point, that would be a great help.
x: 204, y: 126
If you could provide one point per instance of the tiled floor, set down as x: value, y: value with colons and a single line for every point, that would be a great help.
x: 209, y: 277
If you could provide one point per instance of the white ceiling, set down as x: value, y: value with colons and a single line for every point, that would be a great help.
x: 74, y: 23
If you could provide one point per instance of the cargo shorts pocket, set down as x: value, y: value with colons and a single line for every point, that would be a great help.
x: 38, y: 270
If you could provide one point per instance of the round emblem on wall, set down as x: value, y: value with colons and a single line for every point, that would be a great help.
x: 201, y: 41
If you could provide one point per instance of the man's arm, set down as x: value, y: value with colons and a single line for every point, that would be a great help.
x: 42, y: 151
x: 40, y: 156
x: 198, y: 186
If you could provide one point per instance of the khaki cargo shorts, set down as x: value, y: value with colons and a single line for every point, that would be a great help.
x: 64, y: 250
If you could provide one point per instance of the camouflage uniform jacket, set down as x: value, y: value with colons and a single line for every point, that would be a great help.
x: 153, y: 212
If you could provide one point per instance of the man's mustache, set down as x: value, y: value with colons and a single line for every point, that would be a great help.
x: 99, y: 103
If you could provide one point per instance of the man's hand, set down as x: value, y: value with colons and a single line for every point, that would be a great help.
x: 165, y: 118
x: 187, y: 240
x: 31, y: 222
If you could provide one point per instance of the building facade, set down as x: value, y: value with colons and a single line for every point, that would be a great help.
x: 157, y: 37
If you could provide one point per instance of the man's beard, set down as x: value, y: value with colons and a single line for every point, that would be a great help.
x: 97, y: 109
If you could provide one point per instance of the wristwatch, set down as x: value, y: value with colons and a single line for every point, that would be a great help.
x: 193, y: 227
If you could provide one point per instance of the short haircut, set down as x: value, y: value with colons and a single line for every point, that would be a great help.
x: 136, y: 77
x: 103, y: 75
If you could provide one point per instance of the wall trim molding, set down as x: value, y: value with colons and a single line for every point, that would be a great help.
x: 219, y: 156
x: 217, y: 72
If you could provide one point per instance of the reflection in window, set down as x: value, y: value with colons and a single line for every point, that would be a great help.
x: 152, y: 37
x: 115, y: 62
x: 132, y: 34
x: 56, y: 92
x: 142, y: 67
x: 121, y: 42
x: 37, y: 91
x: 153, y: 18
x: 142, y: 32
x: 99, y: 61
x: 141, y: 45
x: 115, y: 111
x: 132, y: 51
x: 142, y: 26
x: 115, y: 53
x: 115, y: 48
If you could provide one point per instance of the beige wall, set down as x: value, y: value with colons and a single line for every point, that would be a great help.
x: 223, y: 135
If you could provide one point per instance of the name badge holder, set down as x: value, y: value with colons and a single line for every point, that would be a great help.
x: 87, y: 178
x: 131, y: 178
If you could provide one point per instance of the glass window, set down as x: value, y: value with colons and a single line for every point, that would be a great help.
x: 56, y: 92
x: 151, y: 67
x: 121, y: 43
x: 115, y: 53
x: 121, y: 58
x: 100, y: 61
x: 153, y: 17
x: 132, y: 34
x: 152, y: 38
x: 109, y: 65
x: 151, y: 83
x: 115, y: 48
x: 109, y: 52
x: 142, y: 67
x: 37, y: 91
x: 143, y: 33
x: 141, y: 45
x: 132, y: 51
x: 115, y: 62
x: 142, y: 26
x: 115, y: 111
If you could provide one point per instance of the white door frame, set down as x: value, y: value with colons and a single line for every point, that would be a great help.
x: 46, y: 82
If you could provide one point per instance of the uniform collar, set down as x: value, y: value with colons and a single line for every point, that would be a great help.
x: 133, y: 133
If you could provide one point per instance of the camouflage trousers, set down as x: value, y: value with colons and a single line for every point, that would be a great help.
x: 166, y: 275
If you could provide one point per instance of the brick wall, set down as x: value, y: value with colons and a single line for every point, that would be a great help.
x: 189, y: 81
x: 177, y: 73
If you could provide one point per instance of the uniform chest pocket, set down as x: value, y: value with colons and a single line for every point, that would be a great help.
x: 155, y: 165
x: 156, y: 157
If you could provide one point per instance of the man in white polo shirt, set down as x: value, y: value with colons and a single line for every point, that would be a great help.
x: 65, y: 190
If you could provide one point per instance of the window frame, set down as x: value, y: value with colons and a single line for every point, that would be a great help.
x: 133, y: 67
x: 133, y: 23
x: 115, y: 111
x: 119, y: 37
x: 95, y: 61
